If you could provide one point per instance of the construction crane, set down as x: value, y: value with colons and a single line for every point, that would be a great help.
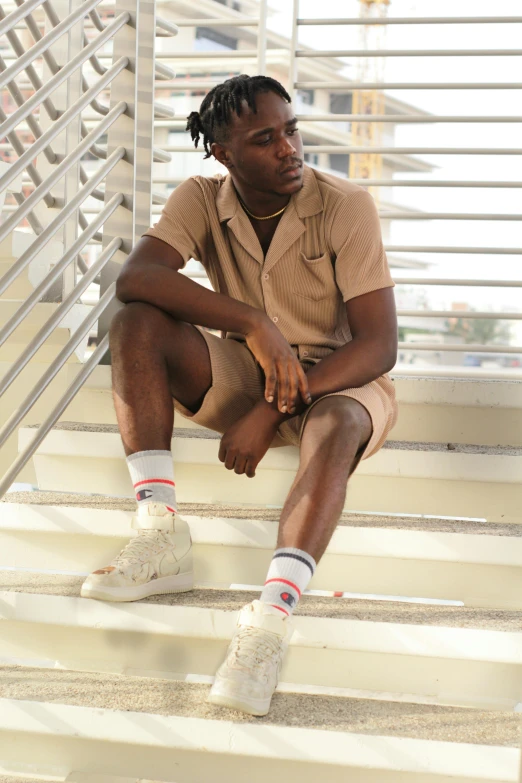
x: 369, y: 69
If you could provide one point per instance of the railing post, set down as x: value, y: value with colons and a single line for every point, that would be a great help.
x: 294, y: 43
x: 261, y: 37
x: 63, y: 97
x: 134, y: 130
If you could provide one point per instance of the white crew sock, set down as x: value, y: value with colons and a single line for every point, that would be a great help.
x: 152, y: 474
x: 288, y: 576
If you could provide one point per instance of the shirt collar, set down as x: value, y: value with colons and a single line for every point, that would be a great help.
x: 307, y: 201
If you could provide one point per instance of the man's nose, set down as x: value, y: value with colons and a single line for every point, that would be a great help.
x: 286, y: 148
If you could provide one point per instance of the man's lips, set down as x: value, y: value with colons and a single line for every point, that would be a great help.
x: 291, y: 169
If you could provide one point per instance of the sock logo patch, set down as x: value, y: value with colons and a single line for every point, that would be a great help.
x: 143, y: 494
x: 288, y: 598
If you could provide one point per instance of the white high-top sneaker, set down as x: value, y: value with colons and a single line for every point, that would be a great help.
x: 157, y: 561
x: 249, y: 675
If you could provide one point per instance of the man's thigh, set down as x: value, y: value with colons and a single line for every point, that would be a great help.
x: 237, y: 384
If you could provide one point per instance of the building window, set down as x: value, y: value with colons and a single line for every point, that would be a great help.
x: 312, y: 158
x: 340, y: 163
x: 341, y: 104
x: 209, y: 39
x: 307, y: 96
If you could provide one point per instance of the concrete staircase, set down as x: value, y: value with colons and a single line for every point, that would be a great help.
x: 406, y: 663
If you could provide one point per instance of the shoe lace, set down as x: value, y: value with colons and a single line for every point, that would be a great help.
x: 146, y: 543
x: 254, y: 650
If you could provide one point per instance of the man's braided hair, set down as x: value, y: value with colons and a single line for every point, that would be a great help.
x: 213, y: 118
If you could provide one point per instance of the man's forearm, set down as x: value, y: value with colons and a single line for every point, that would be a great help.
x: 353, y: 365
x: 186, y: 300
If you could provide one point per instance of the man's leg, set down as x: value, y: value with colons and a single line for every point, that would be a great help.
x: 336, y: 430
x: 154, y: 358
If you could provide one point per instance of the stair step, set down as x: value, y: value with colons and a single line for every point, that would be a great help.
x: 413, y: 478
x: 144, y: 728
x: 400, y: 648
x: 437, y: 410
x: 471, y: 566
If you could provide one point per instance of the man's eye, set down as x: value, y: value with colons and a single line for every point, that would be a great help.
x: 265, y: 141
x: 294, y: 130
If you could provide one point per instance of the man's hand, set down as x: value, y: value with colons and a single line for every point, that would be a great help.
x: 244, y: 445
x: 283, y: 372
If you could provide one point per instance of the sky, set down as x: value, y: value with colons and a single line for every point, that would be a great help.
x: 456, y: 102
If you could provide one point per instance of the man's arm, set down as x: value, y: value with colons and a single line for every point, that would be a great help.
x: 151, y: 274
x: 371, y: 353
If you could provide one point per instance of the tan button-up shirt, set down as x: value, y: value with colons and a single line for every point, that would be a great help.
x: 327, y: 249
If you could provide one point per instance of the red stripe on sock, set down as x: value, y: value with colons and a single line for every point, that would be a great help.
x: 281, y: 609
x: 286, y: 582
x: 155, y: 481
x: 172, y: 510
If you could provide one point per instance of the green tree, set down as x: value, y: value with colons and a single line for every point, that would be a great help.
x: 485, y: 331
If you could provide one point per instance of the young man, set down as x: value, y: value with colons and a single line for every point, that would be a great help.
x: 303, y: 296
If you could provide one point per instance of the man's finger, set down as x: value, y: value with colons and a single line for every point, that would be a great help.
x: 222, y: 451
x: 230, y: 460
x: 303, y: 386
x: 239, y: 466
x: 293, y: 387
x: 250, y: 468
x: 282, y: 387
x: 270, y: 383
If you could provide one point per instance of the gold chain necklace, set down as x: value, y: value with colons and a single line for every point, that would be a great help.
x: 256, y: 217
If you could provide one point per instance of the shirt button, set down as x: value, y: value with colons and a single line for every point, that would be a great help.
x: 305, y: 353
x: 266, y: 277
x: 275, y: 319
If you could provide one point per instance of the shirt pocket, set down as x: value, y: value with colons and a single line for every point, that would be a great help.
x: 314, y: 278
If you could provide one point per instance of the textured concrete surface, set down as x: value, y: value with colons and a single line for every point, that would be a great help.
x: 180, y: 432
x: 309, y: 605
x: 232, y: 511
x: 167, y: 697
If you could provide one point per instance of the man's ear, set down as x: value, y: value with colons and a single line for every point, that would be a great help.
x: 221, y: 154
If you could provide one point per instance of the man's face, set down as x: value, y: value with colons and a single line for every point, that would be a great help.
x: 264, y: 151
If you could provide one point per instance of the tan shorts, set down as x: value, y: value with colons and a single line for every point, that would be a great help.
x: 238, y: 384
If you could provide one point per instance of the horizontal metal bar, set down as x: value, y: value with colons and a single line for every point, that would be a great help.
x: 436, y: 183
x: 471, y: 348
x: 59, y: 314
x: 408, y: 53
x: 162, y: 111
x: 493, y: 251
x: 46, y: 41
x: 406, y: 118
x: 168, y: 27
x: 389, y: 20
x: 33, y: 299
x: 105, y: 123
x: 51, y: 229
x: 222, y: 22
x: 57, y: 127
x: 349, y: 86
x: 16, y: 16
x: 460, y: 314
x: 57, y: 364
x: 229, y: 54
x: 457, y: 281
x: 183, y: 84
x: 332, y: 148
x: 63, y: 74
x: 448, y: 216
x: 161, y: 155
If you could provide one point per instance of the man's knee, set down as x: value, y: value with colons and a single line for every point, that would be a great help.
x: 341, y: 420
x: 136, y: 323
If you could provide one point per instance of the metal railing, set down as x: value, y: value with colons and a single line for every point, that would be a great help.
x: 63, y: 164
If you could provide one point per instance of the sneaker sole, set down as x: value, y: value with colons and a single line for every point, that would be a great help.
x: 181, y: 583
x: 256, y: 707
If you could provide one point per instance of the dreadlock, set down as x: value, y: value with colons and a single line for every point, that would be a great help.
x: 213, y: 118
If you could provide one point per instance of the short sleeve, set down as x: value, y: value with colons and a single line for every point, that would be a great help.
x: 361, y: 265
x: 183, y: 222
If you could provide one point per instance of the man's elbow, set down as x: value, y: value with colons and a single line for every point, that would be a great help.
x: 389, y: 359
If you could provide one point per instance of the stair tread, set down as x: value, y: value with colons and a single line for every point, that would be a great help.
x: 330, y: 713
x: 367, y: 610
x: 425, y: 524
x: 206, y: 434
